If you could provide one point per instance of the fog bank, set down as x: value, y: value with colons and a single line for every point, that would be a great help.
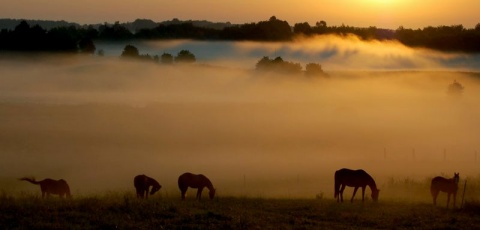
x: 98, y: 122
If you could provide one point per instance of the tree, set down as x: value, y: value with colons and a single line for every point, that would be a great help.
x: 455, y: 88
x: 130, y: 51
x: 185, y: 56
x: 314, y: 69
x: 86, y: 45
x: 278, y: 65
x: 166, y: 58
x: 263, y: 64
x: 302, y: 28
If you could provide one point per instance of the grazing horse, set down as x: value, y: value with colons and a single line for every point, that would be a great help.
x: 441, y: 184
x: 354, y: 178
x: 142, y: 184
x: 195, y: 181
x: 50, y: 186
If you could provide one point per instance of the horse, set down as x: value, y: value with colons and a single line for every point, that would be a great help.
x: 50, y: 186
x: 441, y: 184
x: 195, y: 181
x: 354, y: 178
x: 142, y: 184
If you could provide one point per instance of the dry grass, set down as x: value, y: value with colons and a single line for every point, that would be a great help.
x: 123, y: 211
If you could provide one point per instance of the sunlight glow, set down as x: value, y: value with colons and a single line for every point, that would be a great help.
x: 383, y: 3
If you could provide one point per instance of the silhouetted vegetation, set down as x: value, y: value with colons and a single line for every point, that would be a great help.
x: 314, y: 69
x: 184, y: 56
x: 455, y: 88
x: 114, y: 32
x: 271, y: 30
x: 65, y: 39
x: 130, y: 52
x: 72, y: 37
x: 278, y: 65
x: 166, y: 58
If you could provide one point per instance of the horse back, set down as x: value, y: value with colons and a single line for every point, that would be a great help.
x: 443, y: 184
x: 58, y: 187
x: 143, y: 182
x: 352, y: 178
x: 193, y: 181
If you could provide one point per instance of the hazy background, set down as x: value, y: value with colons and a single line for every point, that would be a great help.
x: 99, y: 121
x: 381, y: 13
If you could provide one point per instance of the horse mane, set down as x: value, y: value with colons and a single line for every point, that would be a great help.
x: 155, y: 183
x: 209, y: 184
x: 372, y: 183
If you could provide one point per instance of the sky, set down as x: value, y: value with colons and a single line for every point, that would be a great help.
x: 361, y: 13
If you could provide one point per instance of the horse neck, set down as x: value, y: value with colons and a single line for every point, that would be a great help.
x: 209, y: 185
x: 371, y: 183
x: 153, y: 182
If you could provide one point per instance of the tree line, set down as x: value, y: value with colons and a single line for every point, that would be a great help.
x: 264, y: 65
x: 80, y: 39
x: 184, y: 56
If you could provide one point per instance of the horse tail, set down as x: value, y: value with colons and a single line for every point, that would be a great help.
x: 31, y: 180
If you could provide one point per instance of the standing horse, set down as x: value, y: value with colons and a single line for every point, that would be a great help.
x: 50, y: 186
x: 195, y: 181
x: 354, y: 178
x: 142, y: 184
x: 441, y: 184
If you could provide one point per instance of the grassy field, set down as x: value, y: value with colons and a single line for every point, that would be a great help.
x: 123, y: 211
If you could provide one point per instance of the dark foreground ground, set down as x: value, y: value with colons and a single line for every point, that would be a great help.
x: 126, y: 212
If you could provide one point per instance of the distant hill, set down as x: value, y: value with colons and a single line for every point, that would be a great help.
x: 140, y: 24
x: 200, y: 23
x: 134, y: 26
x: 10, y: 24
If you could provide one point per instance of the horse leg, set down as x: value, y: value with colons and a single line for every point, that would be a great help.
x: 434, y: 196
x: 454, y: 199
x: 354, y: 191
x: 199, y: 193
x: 341, y: 192
x: 448, y: 199
x: 183, y: 191
x: 363, y: 194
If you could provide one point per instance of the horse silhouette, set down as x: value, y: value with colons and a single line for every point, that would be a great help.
x: 441, y: 184
x: 195, y: 181
x: 142, y: 184
x: 354, y: 178
x: 50, y: 186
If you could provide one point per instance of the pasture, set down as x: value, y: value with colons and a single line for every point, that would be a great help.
x: 124, y: 211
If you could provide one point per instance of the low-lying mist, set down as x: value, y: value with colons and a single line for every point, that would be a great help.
x: 99, y: 121
x: 334, y: 53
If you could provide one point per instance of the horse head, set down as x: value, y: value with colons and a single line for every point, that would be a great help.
x: 211, y: 193
x: 456, y: 177
x: 375, y: 193
x: 155, y: 189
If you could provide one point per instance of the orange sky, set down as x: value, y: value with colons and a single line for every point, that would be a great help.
x: 363, y: 13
